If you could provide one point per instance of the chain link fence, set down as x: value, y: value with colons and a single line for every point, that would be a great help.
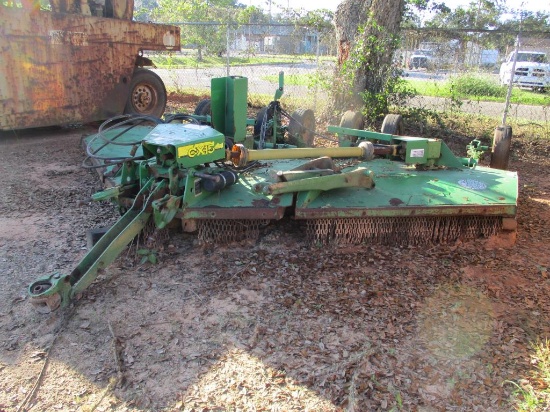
x: 451, y: 70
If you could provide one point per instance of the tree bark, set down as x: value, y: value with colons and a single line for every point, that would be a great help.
x: 374, y: 46
x: 350, y: 14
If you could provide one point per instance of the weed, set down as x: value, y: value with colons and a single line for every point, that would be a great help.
x: 147, y: 255
x: 476, y: 85
x: 456, y: 88
x: 533, y: 393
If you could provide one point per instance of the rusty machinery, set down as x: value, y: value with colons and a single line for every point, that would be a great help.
x: 80, y: 62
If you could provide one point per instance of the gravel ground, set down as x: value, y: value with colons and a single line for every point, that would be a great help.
x: 273, y: 325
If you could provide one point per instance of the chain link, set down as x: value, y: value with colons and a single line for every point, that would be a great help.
x: 402, y: 230
x: 223, y: 231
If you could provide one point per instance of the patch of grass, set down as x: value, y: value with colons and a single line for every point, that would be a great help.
x: 188, y: 59
x: 482, y: 88
x: 477, y: 85
x: 291, y: 79
x: 533, y: 393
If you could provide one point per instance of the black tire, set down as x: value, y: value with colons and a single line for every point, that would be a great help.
x: 260, y: 119
x: 502, y: 142
x: 351, y: 120
x: 393, y: 124
x: 204, y: 108
x: 180, y: 118
x: 301, y: 127
x: 147, y: 94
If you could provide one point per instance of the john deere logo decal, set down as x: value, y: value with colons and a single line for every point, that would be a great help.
x: 199, y: 149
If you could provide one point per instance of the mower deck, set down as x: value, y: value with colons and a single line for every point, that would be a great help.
x: 403, y: 199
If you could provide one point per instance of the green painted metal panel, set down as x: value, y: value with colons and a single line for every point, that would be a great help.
x: 218, y: 98
x: 416, y: 150
x: 99, y: 144
x: 229, y: 106
x: 239, y: 108
x: 191, y: 144
x: 242, y: 200
x: 406, y: 191
x: 364, y: 134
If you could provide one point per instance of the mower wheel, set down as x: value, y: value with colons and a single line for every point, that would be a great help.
x: 393, y: 124
x: 203, y: 108
x: 147, y: 94
x: 351, y: 120
x: 261, y: 118
x: 302, y: 127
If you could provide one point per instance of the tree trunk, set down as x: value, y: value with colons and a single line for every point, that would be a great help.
x: 366, y: 32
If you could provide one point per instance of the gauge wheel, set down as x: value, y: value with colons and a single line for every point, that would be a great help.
x: 351, y: 120
x: 393, y: 124
x: 502, y: 142
x: 261, y: 118
x: 203, y: 108
x: 301, y: 127
x: 147, y: 94
x: 180, y: 118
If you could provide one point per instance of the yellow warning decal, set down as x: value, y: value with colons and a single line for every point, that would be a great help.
x: 199, y: 149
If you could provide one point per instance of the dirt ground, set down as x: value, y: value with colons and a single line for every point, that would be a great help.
x: 275, y: 325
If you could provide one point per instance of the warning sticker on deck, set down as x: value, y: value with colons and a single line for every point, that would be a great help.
x: 472, y: 184
x: 417, y: 153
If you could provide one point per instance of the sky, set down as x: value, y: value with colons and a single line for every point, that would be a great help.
x: 529, y: 5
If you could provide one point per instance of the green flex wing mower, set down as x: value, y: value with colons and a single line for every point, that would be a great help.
x: 205, y: 173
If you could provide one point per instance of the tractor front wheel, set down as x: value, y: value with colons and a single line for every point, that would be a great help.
x: 147, y: 94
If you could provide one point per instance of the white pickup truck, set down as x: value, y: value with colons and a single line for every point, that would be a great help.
x: 532, y: 70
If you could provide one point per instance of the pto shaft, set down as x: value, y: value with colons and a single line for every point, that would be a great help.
x: 240, y: 155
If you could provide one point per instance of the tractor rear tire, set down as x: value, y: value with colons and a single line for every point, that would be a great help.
x: 147, y: 94
x: 351, y: 120
x: 302, y: 127
x: 393, y: 124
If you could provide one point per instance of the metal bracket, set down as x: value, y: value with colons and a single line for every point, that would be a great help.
x: 360, y: 177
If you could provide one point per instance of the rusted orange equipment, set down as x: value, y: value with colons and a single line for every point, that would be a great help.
x: 80, y: 62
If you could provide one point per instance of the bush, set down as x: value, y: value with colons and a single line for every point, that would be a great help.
x: 477, y: 85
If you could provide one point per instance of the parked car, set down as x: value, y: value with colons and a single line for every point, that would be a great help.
x: 421, y: 59
x: 532, y: 70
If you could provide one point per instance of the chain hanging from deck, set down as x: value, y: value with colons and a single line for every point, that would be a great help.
x: 401, y: 230
x: 228, y: 230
